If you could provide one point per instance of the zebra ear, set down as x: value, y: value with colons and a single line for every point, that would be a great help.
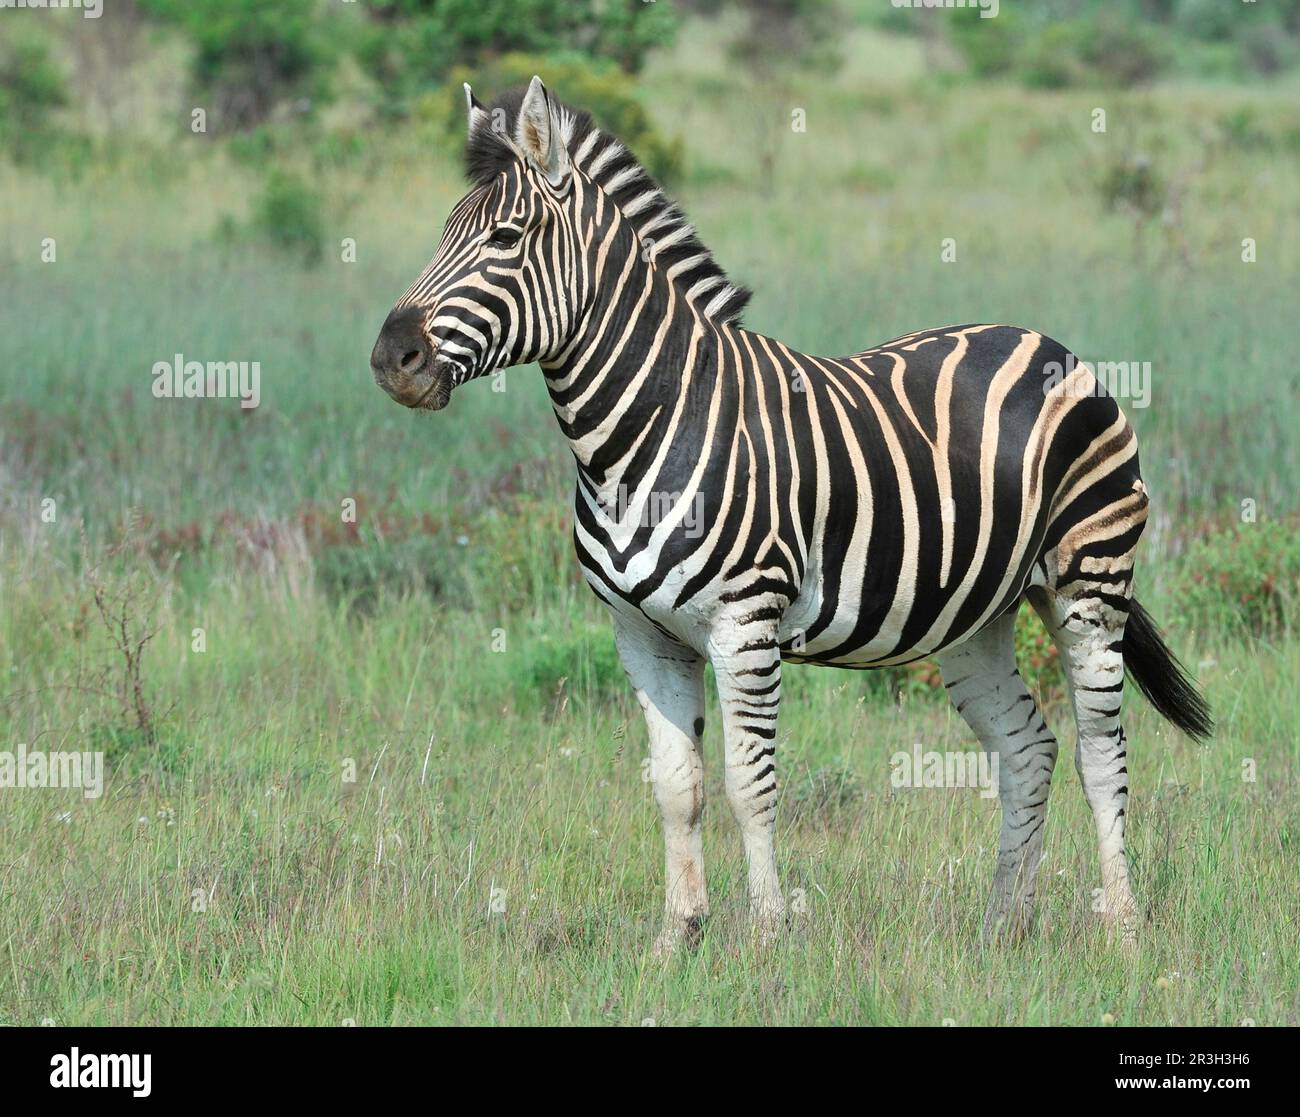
x: 538, y: 134
x: 477, y: 113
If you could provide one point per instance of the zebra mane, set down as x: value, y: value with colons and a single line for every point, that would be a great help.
x: 655, y: 218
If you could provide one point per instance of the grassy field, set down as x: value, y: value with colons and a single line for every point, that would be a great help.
x: 346, y: 807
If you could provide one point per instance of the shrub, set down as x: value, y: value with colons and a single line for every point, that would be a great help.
x: 1096, y: 52
x: 1052, y: 59
x: 520, y: 556
x: 1241, y: 581
x: 31, y: 89
x: 290, y: 216
x: 1266, y: 49
x: 1242, y: 131
x: 1099, y: 48
x: 581, y: 656
x: 414, y: 46
x: 989, y: 51
x: 250, y: 56
x: 1122, y: 53
x: 128, y: 606
x: 778, y: 33
x: 1132, y: 183
x: 1207, y: 19
x: 363, y: 573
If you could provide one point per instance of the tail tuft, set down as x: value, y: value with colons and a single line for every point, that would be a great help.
x: 1158, y: 674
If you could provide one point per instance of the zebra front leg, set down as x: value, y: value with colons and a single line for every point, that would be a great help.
x: 985, y: 686
x: 748, y: 672
x: 669, y: 683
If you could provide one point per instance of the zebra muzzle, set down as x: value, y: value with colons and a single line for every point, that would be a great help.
x: 426, y: 389
x: 406, y: 364
x: 438, y: 394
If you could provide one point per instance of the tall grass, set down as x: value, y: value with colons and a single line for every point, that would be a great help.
x: 388, y: 823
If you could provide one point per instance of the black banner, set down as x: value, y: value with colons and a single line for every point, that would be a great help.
x: 341, y: 1065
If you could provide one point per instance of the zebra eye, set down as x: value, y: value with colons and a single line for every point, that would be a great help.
x: 504, y: 237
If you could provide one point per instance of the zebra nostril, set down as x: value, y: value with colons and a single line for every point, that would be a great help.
x: 412, y: 361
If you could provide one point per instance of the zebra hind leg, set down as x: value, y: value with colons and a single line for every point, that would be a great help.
x: 985, y: 686
x: 1087, y: 625
x: 747, y: 667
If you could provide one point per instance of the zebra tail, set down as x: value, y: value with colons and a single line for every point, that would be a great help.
x: 1158, y: 674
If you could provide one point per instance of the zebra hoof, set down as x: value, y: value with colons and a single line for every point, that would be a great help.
x: 769, y: 927
x: 1122, y: 931
x: 679, y: 933
x: 1006, y: 929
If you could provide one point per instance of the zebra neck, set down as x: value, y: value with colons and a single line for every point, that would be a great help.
x: 633, y: 381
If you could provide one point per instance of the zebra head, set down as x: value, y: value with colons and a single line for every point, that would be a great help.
x: 503, y: 285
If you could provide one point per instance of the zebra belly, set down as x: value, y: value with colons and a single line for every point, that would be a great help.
x: 832, y: 645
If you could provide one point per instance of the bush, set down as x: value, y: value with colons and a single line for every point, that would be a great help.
x: 413, y: 46
x: 1132, y: 183
x: 31, y: 89
x: 290, y: 216
x: 1241, y: 581
x: 1123, y: 54
x: 1207, y: 19
x: 580, y: 656
x: 989, y: 51
x: 1052, y: 59
x: 1266, y: 49
x: 1100, y: 52
x: 250, y: 57
x: 361, y: 574
x: 1098, y: 48
x: 520, y: 556
x: 778, y: 33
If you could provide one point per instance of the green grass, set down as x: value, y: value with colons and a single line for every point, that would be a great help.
x: 371, y: 900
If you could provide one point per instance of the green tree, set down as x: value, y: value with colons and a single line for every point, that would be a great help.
x: 250, y: 56
x: 410, y: 46
x: 31, y: 86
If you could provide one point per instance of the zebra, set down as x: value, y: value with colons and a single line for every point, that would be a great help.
x: 858, y: 512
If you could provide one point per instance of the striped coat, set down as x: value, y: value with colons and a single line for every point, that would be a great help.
x: 745, y: 505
